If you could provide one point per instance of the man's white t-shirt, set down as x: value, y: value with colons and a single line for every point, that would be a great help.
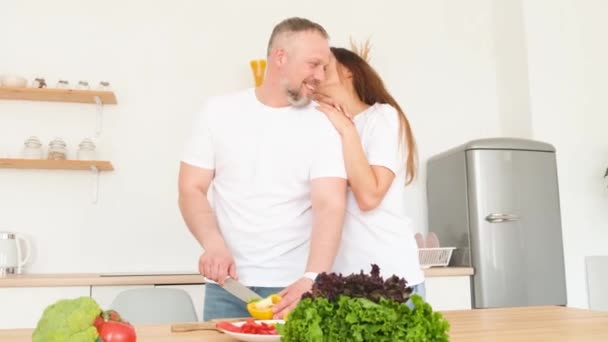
x: 384, y: 235
x: 264, y: 160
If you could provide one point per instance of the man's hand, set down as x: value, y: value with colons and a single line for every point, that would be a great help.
x: 291, y: 296
x: 217, y: 264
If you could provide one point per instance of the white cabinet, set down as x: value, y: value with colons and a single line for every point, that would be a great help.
x: 22, y: 307
x: 104, y: 295
x: 448, y: 293
x: 197, y: 293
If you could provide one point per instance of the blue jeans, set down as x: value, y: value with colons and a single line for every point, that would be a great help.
x: 418, y: 289
x: 219, y: 303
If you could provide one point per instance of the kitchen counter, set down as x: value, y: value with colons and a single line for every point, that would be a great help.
x: 448, y: 272
x: 83, y: 279
x: 549, y: 323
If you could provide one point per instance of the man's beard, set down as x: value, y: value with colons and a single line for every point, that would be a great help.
x: 296, y: 97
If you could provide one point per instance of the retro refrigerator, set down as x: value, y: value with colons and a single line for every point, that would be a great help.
x: 497, y: 201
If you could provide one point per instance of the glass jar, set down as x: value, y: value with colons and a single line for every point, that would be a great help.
x: 62, y: 84
x: 57, y: 149
x: 104, y: 86
x: 83, y: 85
x: 32, y: 148
x: 86, y: 150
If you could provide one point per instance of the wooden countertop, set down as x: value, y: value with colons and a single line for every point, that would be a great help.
x: 554, y: 324
x: 549, y: 323
x: 83, y: 279
x: 448, y: 272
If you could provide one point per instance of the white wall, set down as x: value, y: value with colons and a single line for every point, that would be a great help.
x: 511, y: 69
x: 568, y: 69
x: 162, y: 59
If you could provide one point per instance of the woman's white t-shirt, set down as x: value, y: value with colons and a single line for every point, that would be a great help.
x: 384, y: 235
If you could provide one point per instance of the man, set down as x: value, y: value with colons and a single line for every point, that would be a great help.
x: 277, y: 171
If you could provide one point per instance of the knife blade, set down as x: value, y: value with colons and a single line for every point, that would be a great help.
x: 239, y: 290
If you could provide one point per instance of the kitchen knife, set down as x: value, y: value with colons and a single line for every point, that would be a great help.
x: 240, y: 291
x: 209, y: 325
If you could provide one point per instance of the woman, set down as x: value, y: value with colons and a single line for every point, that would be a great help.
x: 380, y: 158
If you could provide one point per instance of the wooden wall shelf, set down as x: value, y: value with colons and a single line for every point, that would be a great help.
x: 57, y: 95
x: 44, y: 164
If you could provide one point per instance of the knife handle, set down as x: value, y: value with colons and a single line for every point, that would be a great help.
x: 182, y: 327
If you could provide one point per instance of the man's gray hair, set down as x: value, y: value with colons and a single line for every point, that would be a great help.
x: 294, y: 25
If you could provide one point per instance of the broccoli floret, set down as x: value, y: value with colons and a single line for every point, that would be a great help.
x: 68, y: 320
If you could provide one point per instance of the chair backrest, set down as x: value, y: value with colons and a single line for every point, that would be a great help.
x: 155, y: 306
x: 597, y: 282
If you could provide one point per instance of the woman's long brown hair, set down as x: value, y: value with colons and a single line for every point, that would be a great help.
x: 370, y: 89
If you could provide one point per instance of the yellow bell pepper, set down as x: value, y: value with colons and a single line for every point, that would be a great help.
x: 262, y: 309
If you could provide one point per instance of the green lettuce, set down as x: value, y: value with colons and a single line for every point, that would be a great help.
x: 360, y: 319
x: 363, y: 307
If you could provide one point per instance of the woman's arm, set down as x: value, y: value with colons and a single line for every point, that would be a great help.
x: 369, y: 183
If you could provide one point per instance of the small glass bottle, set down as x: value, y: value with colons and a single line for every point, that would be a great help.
x: 32, y: 148
x: 86, y: 150
x: 57, y: 149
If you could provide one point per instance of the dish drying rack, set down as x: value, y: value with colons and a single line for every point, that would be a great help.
x: 430, y: 257
x: 430, y: 253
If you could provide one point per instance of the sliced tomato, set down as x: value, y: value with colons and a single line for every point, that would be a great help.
x: 228, y: 327
x: 259, y: 328
x: 249, y: 327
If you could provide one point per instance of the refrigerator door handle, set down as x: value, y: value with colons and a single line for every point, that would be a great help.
x: 500, y: 218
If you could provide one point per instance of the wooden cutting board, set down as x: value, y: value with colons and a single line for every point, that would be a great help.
x: 208, y: 325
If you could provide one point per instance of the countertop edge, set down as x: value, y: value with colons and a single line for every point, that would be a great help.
x: 448, y: 272
x: 93, y: 279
